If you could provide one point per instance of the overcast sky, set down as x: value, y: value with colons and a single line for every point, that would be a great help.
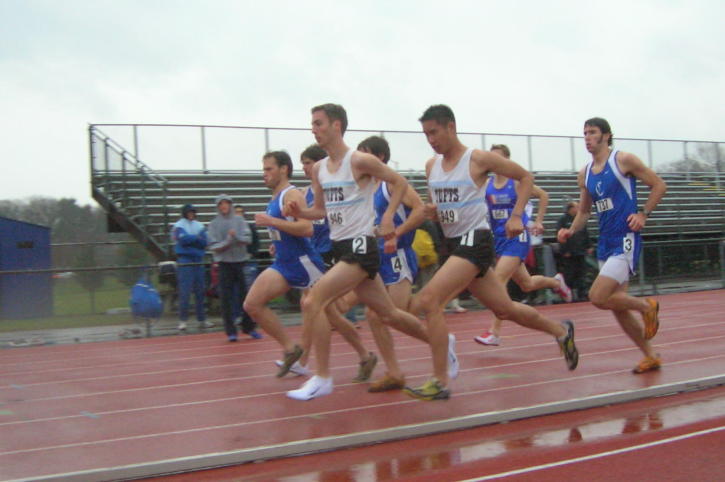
x: 655, y: 69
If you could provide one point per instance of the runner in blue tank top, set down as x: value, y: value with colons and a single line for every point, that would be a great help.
x: 501, y: 198
x: 609, y: 182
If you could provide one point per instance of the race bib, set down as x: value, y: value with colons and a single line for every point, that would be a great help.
x: 274, y: 235
x: 604, y: 204
x: 335, y: 218
x: 628, y: 243
x: 468, y: 239
x: 500, y: 213
x: 448, y: 216
x: 360, y: 245
x: 397, y: 264
x: 524, y: 236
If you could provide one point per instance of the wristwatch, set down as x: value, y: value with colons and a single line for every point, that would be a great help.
x: 645, y: 212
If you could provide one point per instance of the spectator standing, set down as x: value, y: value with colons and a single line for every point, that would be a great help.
x: 251, y: 270
x: 573, y: 252
x: 229, y: 236
x: 190, y: 241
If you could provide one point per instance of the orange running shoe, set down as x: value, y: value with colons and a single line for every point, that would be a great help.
x: 648, y: 364
x: 387, y: 383
x: 651, y: 319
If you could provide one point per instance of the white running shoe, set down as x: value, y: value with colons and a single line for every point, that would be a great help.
x: 312, y: 388
x: 206, y: 324
x: 488, y: 339
x: 182, y: 326
x: 564, y: 291
x: 452, y: 358
x: 297, y: 369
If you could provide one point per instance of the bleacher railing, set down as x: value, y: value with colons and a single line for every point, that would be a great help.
x: 219, y: 148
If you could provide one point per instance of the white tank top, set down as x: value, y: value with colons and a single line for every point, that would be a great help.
x: 350, y: 210
x: 460, y: 203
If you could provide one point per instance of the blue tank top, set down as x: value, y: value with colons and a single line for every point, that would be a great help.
x: 381, y: 202
x: 287, y: 247
x: 501, y: 203
x: 614, y: 195
x: 321, y: 234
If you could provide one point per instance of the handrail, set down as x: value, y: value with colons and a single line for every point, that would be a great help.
x: 126, y: 156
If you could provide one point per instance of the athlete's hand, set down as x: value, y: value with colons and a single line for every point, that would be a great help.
x: 563, y: 235
x: 514, y: 227
x: 263, y: 219
x: 291, y: 208
x: 272, y: 250
x: 537, y: 229
x: 390, y: 245
x: 386, y: 228
x: 636, y: 221
x: 431, y: 211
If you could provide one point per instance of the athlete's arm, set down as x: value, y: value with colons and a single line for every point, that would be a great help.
x: 429, y: 208
x: 582, y: 215
x: 632, y: 165
x: 486, y: 161
x: 416, y: 216
x: 369, y: 165
x: 298, y: 227
x: 298, y: 209
x: 543, y: 198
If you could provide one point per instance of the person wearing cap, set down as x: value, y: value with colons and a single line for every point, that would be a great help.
x: 190, y: 241
x: 229, y: 236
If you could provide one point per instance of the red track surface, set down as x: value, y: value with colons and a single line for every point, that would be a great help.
x: 71, y: 408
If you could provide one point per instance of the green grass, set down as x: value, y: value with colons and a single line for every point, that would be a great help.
x: 70, y: 298
x: 58, y: 322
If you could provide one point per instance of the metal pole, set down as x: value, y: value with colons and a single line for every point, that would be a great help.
x: 203, y: 150
x: 573, y: 154
x: 483, y: 141
x: 684, y: 149
x: 531, y: 156
x: 135, y: 141
x: 717, y: 164
x: 266, y: 140
x: 649, y: 153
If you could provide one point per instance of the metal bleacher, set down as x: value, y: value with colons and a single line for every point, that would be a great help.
x: 144, y: 202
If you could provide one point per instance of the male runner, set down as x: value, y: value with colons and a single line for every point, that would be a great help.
x: 511, y: 252
x: 344, y: 187
x: 456, y: 179
x: 296, y: 265
x: 609, y: 180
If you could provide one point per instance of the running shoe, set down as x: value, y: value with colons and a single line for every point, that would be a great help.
x: 488, y: 339
x: 232, y: 338
x: 255, y: 335
x: 366, y: 368
x: 568, y: 347
x: 651, y: 319
x: 429, y: 391
x: 312, y: 388
x: 387, y: 383
x: 453, y: 364
x: 182, y: 326
x: 205, y: 324
x: 290, y: 358
x: 563, y: 290
x: 296, y: 369
x: 648, y: 364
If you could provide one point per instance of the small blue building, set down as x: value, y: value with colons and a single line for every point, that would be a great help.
x: 24, y: 246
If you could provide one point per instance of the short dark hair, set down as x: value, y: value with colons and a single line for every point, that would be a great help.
x: 503, y: 148
x: 282, y: 159
x: 333, y: 112
x: 377, y: 146
x: 314, y: 152
x: 440, y: 113
x: 603, y: 126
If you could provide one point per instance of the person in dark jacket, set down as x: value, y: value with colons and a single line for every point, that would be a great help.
x: 190, y: 241
x: 572, y: 254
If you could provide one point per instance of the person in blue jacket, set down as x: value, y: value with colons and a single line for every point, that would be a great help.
x: 190, y: 240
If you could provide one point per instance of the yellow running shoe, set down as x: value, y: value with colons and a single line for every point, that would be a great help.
x: 651, y: 319
x: 430, y: 390
x: 648, y: 364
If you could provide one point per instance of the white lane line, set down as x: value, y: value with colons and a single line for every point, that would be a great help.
x: 599, y: 455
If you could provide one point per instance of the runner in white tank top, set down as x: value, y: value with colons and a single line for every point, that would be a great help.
x: 456, y: 179
x: 343, y: 190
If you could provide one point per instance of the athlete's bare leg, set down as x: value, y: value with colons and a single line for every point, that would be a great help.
x: 631, y: 325
x: 606, y: 294
x: 346, y: 329
x: 268, y: 285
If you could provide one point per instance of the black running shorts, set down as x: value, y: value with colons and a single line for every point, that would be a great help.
x: 328, y: 258
x: 362, y: 250
x: 476, y: 247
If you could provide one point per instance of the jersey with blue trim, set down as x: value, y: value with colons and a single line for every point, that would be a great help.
x: 614, y: 195
x: 381, y: 202
x: 501, y: 202
x: 460, y: 202
x: 287, y: 246
x: 321, y: 230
